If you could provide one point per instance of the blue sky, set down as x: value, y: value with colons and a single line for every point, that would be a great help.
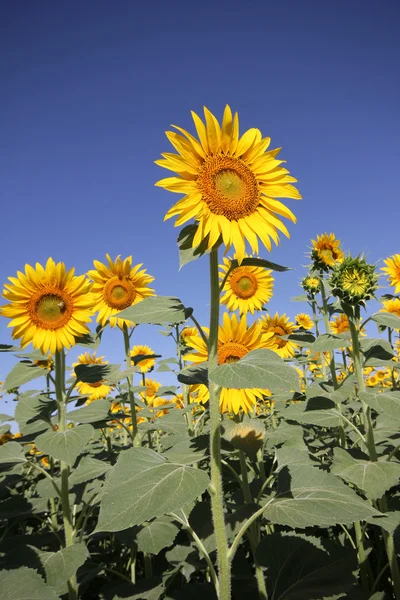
x: 88, y: 90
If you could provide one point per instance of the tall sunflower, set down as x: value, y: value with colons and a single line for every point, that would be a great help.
x: 340, y: 324
x: 326, y: 251
x: 230, y: 184
x: 146, y: 364
x: 235, y: 340
x: 246, y: 288
x: 98, y: 389
x: 276, y: 327
x: 149, y: 395
x: 393, y: 271
x: 49, y: 306
x: 117, y: 286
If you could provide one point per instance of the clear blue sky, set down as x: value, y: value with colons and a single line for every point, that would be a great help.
x: 88, y: 89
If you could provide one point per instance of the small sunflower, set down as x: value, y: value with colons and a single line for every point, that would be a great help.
x: 152, y: 387
x: 230, y: 184
x: 392, y: 269
x: 47, y: 363
x: 340, y: 324
x: 278, y: 326
x: 147, y: 364
x: 311, y: 285
x: 354, y: 281
x: 98, y: 389
x: 49, y: 306
x: 326, y: 251
x: 117, y: 286
x: 391, y: 306
x: 246, y: 288
x: 304, y: 321
x: 235, y: 340
x: 372, y: 381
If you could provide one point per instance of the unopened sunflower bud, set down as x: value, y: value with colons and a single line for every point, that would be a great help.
x: 248, y: 436
x: 354, y: 281
x: 310, y: 285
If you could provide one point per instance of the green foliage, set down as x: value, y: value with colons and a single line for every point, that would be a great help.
x: 157, y: 310
x: 21, y: 373
x: 65, y: 445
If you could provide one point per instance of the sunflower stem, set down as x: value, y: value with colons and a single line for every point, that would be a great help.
x: 215, y: 488
x: 370, y: 442
x: 131, y: 395
x: 62, y: 425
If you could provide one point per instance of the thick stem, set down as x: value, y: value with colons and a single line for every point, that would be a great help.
x: 62, y: 425
x: 315, y: 318
x: 215, y: 488
x: 129, y: 381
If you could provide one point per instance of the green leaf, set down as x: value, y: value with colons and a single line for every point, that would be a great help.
x: 12, y: 452
x: 89, y: 468
x: 33, y: 412
x: 95, y: 411
x: 259, y: 262
x: 305, y: 568
x: 328, y: 341
x: 91, y: 373
x: 8, y: 348
x: 387, y: 403
x: 373, y: 478
x: 290, y: 454
x: 258, y: 369
x: 67, y: 445
x: 301, y: 338
x: 187, y: 253
x: 307, y: 497
x: 4, y: 418
x: 387, y: 319
x: 157, y: 310
x: 61, y: 566
x: 147, y: 486
x: 25, y: 584
x: 194, y: 374
x: 316, y: 411
x: 376, y: 351
x: 21, y: 373
x: 167, y: 390
x: 188, y: 451
x: 157, y: 535
x: 88, y: 341
x: 301, y: 298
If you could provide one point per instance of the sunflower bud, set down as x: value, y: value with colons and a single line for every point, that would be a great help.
x: 354, y: 281
x: 326, y: 252
x: 248, y: 436
x: 310, y: 285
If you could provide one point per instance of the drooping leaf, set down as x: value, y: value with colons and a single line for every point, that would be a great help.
x: 187, y: 253
x: 328, y: 341
x: 147, y: 486
x: 305, y: 568
x: 258, y: 369
x: 88, y: 468
x: 65, y: 445
x: 308, y: 496
x: 12, y: 452
x: 91, y: 373
x: 21, y: 373
x: 376, y: 351
x: 25, y: 584
x: 8, y: 348
x: 194, y: 374
x: 387, y: 403
x: 374, y: 478
x: 302, y: 338
x: 157, y: 535
x: 33, y: 412
x: 259, y: 262
x: 95, y: 411
x: 156, y: 310
x: 387, y: 319
x: 62, y: 565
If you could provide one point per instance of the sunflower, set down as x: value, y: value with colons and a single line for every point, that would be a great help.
x: 304, y: 321
x: 246, y: 288
x: 118, y: 286
x: 326, y: 251
x: 147, y: 364
x: 230, y: 184
x: 48, y: 306
x: 47, y: 363
x: 310, y: 285
x: 278, y: 326
x: 393, y: 271
x: 340, y: 324
x: 235, y: 340
x: 391, y: 306
x: 97, y: 390
x: 372, y: 381
x: 152, y: 387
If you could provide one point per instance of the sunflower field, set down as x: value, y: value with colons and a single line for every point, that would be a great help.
x: 270, y: 468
